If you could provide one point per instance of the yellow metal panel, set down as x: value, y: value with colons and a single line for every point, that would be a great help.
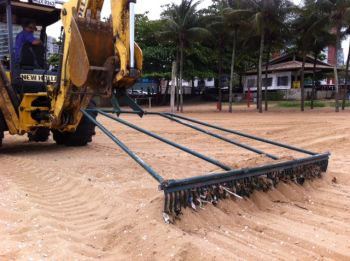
x: 6, y: 106
x: 27, y: 123
x: 8, y: 74
x: 87, y: 55
x: 138, y: 57
x: 63, y: 96
x: 121, y: 29
x: 78, y: 58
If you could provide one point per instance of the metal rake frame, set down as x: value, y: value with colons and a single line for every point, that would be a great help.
x: 178, y: 192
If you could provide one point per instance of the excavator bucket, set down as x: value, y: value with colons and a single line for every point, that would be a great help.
x: 91, y: 53
x: 193, y: 192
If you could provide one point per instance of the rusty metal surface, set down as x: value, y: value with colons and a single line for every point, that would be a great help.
x: 96, y: 57
x: 90, y: 53
x: 78, y: 59
x: 6, y: 105
x: 98, y: 40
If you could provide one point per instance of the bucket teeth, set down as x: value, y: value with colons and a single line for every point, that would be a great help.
x: 199, y: 196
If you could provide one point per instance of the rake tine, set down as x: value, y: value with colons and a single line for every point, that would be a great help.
x: 171, y: 203
x: 231, y: 193
x: 177, y: 204
x: 166, y: 203
x: 185, y: 199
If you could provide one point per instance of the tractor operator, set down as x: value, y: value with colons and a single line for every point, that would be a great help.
x: 26, y: 37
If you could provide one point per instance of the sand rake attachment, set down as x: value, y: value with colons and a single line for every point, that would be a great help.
x: 194, y: 192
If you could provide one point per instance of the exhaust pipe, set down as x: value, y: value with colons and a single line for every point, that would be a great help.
x: 132, y: 32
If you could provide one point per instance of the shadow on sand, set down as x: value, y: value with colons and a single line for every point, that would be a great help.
x: 20, y: 148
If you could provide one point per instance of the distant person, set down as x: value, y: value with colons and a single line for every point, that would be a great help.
x: 26, y: 37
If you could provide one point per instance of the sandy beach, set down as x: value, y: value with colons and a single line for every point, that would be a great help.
x: 90, y: 203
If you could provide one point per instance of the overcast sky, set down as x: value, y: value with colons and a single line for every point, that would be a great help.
x: 154, y: 7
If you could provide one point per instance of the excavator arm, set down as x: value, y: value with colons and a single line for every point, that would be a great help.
x: 98, y: 57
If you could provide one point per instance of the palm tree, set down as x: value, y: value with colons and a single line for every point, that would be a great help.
x: 182, y: 24
x: 269, y: 15
x: 236, y: 18
x: 322, y: 39
x: 220, y: 34
x: 277, y: 37
x: 346, y: 78
x: 304, y: 23
x: 311, y: 26
x: 339, y: 15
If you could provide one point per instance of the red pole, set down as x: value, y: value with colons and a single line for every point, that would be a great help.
x: 248, y: 97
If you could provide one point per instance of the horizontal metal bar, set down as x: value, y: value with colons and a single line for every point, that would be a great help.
x: 125, y: 148
x: 115, y: 111
x: 243, y: 134
x: 211, y: 179
x: 169, y: 142
x: 231, y: 141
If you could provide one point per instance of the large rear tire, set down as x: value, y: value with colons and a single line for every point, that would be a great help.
x: 3, y: 128
x: 1, y: 137
x: 83, y: 134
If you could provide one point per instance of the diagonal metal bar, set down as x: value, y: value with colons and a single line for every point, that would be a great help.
x: 243, y: 134
x: 231, y: 141
x: 169, y: 142
x: 125, y: 148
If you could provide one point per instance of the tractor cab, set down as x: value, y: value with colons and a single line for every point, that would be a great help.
x: 31, y: 73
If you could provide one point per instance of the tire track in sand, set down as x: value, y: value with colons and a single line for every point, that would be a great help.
x: 64, y: 208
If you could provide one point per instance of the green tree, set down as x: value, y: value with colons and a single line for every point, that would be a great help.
x: 220, y: 37
x: 322, y: 38
x: 269, y: 16
x: 311, y: 27
x: 236, y: 16
x: 277, y: 36
x: 158, y: 55
x: 346, y: 77
x: 53, y: 60
x: 339, y: 16
x: 182, y: 26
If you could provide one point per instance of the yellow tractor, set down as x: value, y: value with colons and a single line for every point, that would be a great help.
x: 96, y: 58
x: 101, y: 58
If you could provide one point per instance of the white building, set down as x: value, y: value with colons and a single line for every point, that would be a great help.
x: 275, y: 81
x: 52, y: 46
x: 4, y: 51
x: 284, y: 73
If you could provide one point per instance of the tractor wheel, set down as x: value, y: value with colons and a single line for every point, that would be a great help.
x: 1, y: 137
x: 40, y: 135
x: 83, y: 134
x: 3, y: 127
x: 58, y: 137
